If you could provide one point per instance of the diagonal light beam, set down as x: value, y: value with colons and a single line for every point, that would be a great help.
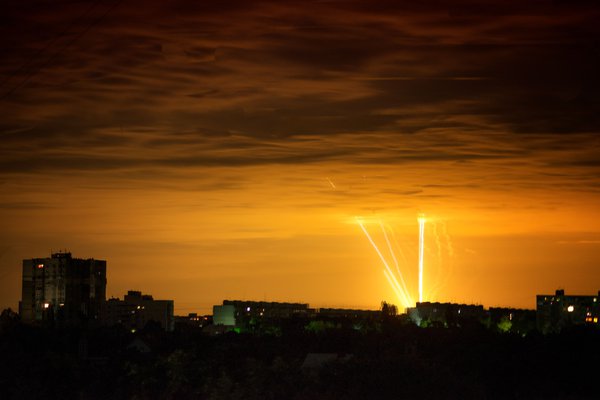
x: 403, y: 298
x: 403, y: 283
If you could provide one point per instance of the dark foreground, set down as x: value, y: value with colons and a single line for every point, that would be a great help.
x: 398, y: 361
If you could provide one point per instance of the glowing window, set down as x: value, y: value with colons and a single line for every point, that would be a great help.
x: 40, y: 266
x: 247, y: 308
x: 46, y: 305
x: 570, y: 308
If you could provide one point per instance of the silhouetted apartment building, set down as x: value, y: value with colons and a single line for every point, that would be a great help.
x: 137, y: 309
x: 348, y: 313
x: 236, y: 312
x: 558, y: 311
x: 62, y: 289
x: 447, y: 314
x: 192, y: 322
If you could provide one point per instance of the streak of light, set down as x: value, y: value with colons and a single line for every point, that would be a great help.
x: 390, y: 280
x: 402, y: 296
x: 399, y: 247
x: 447, y: 271
x: 387, y: 240
x: 331, y: 183
x: 421, y: 220
x: 438, y: 243
x: 448, y: 241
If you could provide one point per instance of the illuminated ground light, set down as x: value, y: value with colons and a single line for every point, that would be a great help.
x: 396, y: 278
x: 399, y: 287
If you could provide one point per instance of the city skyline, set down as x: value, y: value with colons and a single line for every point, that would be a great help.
x: 227, y: 150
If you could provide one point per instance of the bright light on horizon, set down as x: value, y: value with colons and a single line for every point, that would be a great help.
x: 400, y: 291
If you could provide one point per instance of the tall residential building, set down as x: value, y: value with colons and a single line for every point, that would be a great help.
x: 63, y: 289
x: 558, y: 311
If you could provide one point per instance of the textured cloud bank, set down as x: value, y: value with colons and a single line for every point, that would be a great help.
x: 269, y: 72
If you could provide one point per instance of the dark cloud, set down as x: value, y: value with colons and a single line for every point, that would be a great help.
x: 84, y: 95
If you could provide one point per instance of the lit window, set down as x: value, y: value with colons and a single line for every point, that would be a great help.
x: 40, y: 266
x: 570, y: 308
x: 46, y: 305
x: 248, y: 309
x: 595, y: 320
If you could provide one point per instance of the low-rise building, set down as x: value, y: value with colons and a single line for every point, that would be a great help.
x: 445, y: 314
x: 137, y: 309
x: 192, y: 322
x: 558, y: 311
x: 240, y: 312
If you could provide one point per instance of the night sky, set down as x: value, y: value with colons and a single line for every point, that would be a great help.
x: 224, y: 149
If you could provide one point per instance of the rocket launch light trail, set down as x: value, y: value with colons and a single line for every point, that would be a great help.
x: 402, y: 295
x: 397, y: 281
x: 387, y: 240
x: 391, y: 282
x: 421, y: 220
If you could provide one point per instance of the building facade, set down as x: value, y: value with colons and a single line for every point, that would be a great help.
x: 137, y: 309
x: 446, y: 314
x: 347, y: 313
x: 63, y: 290
x: 558, y: 311
x: 240, y: 312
